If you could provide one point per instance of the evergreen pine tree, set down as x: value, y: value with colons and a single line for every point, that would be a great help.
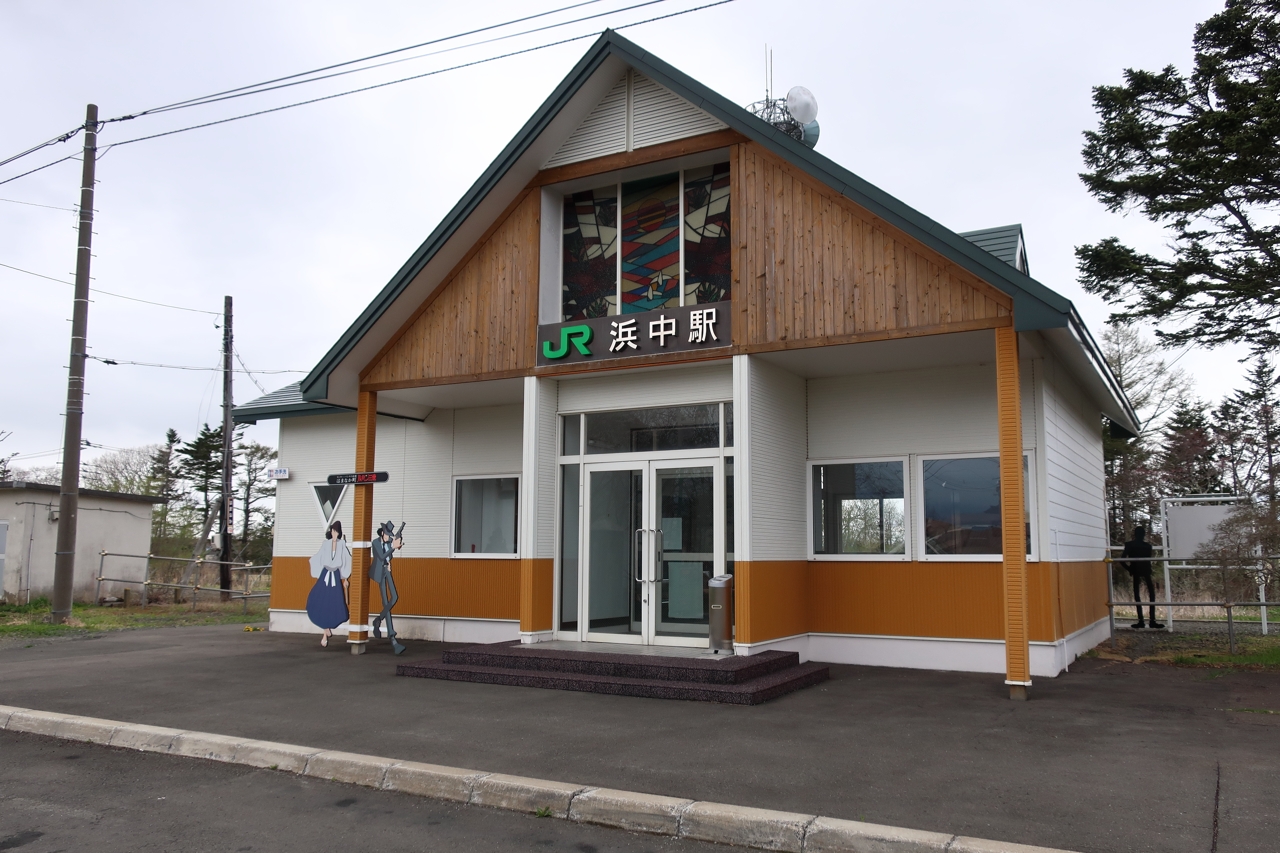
x: 163, y: 483
x: 201, y: 466
x: 1188, y: 463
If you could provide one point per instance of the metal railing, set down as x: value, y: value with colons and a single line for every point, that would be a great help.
x: 1168, y: 604
x: 195, y: 587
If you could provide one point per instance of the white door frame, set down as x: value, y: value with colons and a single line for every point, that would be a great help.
x: 649, y: 537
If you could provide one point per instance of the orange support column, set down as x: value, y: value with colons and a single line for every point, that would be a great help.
x: 1017, y: 651
x: 362, y: 522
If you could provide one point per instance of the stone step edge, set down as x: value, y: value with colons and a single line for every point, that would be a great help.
x: 528, y: 662
x: 744, y: 826
x: 736, y: 688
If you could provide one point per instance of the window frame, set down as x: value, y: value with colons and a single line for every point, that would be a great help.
x: 908, y: 547
x: 1031, y: 507
x: 453, y: 517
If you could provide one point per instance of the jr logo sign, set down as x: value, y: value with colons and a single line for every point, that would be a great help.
x: 677, y: 329
x: 578, y: 335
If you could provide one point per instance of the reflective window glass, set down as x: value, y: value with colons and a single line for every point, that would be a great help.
x: 647, y: 430
x: 572, y: 444
x: 569, y: 547
x: 859, y: 508
x: 485, y: 516
x: 962, y: 506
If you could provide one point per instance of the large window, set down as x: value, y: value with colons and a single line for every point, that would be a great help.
x: 961, y: 506
x: 642, y: 245
x: 670, y: 428
x: 859, y: 508
x: 484, y: 516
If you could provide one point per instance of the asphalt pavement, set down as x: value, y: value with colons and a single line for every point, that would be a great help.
x: 61, y: 796
x: 1111, y: 756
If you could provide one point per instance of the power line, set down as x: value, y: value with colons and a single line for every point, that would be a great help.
x: 248, y: 371
x: 116, y: 295
x: 259, y: 87
x: 266, y: 88
x: 38, y: 168
x: 70, y: 134
x: 218, y: 369
x: 33, y: 204
x: 249, y: 90
x: 416, y: 76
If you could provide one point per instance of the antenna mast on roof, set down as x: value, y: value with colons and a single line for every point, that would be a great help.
x: 795, y: 115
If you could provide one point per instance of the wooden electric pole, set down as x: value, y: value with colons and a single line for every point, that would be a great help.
x: 64, y: 565
x: 228, y: 459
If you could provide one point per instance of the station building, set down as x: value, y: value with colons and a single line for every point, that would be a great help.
x: 660, y: 340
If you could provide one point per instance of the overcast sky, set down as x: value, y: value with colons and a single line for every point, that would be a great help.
x: 970, y: 112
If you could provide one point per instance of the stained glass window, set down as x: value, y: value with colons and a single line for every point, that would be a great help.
x: 650, y: 244
x: 706, y: 234
x: 646, y: 214
x: 590, y: 287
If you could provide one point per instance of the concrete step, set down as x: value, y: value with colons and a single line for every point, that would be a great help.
x: 729, y: 669
x: 753, y: 692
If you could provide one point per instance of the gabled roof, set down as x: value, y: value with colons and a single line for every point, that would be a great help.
x: 287, y: 402
x: 1035, y: 306
x: 1005, y: 242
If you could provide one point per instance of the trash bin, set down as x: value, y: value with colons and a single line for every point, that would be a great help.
x: 720, y: 592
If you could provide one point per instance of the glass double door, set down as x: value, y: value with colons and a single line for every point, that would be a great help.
x: 653, y: 539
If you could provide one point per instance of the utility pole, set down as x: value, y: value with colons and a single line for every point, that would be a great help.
x: 228, y: 460
x: 64, y: 566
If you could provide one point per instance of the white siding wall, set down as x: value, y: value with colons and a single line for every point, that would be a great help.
x: 311, y: 448
x: 417, y: 456
x: 775, y: 445
x: 707, y: 383
x: 938, y: 410
x: 1073, y: 463
x: 488, y: 440
x: 421, y: 458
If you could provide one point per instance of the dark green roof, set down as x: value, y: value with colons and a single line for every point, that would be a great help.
x: 1035, y: 306
x: 1005, y: 242
x: 286, y: 402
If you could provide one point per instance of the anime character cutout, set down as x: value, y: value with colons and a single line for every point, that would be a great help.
x: 383, y: 548
x: 331, y: 567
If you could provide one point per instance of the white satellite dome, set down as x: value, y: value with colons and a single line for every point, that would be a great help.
x: 802, y: 105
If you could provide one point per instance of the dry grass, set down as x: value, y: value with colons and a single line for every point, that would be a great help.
x: 1194, y: 646
x: 32, y: 620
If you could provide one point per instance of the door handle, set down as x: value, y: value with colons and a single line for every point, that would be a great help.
x: 639, y: 576
x: 657, y: 556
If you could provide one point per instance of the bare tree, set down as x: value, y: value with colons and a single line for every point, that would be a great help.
x: 254, y: 486
x: 1154, y: 387
x: 127, y: 471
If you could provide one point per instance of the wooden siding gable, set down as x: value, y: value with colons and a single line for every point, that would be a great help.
x: 481, y: 320
x: 812, y: 267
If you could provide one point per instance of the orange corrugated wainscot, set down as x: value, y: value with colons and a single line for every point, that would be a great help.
x: 1083, y: 594
x: 910, y: 599
x: 428, y: 586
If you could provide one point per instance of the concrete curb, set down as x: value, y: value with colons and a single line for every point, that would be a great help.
x: 760, y: 829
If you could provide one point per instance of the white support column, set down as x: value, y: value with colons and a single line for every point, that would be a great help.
x: 537, y: 509
x: 741, y: 458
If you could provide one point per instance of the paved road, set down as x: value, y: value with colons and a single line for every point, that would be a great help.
x: 1111, y: 756
x: 60, y: 796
